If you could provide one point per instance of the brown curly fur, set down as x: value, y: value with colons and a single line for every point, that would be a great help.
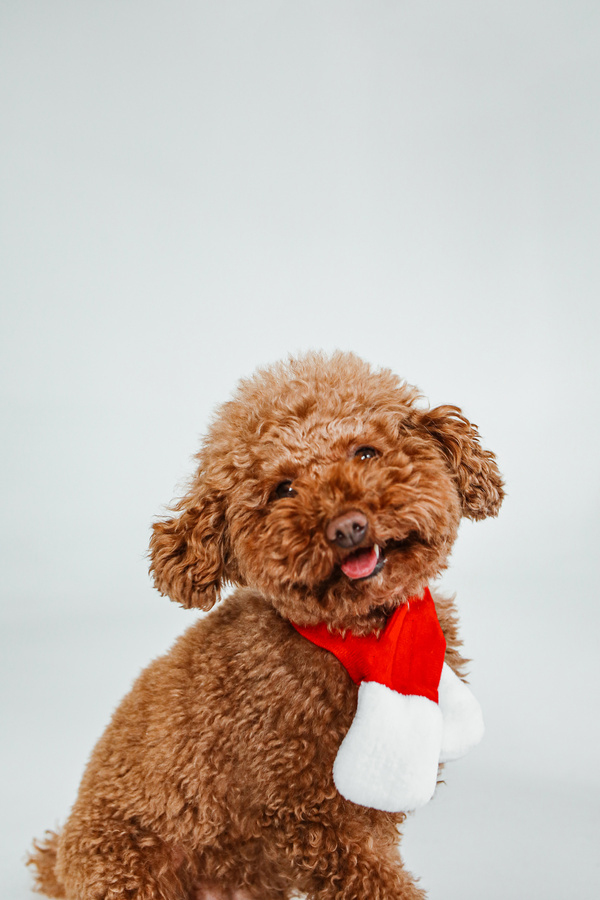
x: 213, y: 779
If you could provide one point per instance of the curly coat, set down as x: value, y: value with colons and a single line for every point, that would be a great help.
x: 214, y: 777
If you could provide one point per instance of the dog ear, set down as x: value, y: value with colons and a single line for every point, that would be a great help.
x: 188, y: 552
x: 475, y: 471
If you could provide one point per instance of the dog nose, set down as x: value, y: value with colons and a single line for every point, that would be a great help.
x: 347, y: 530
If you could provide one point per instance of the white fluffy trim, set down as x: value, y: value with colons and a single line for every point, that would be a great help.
x: 461, y: 713
x: 389, y: 758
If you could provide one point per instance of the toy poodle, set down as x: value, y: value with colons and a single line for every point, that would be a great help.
x: 275, y: 750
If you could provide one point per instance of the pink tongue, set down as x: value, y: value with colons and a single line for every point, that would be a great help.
x: 360, y: 564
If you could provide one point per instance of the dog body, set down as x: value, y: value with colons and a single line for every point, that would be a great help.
x: 326, y: 495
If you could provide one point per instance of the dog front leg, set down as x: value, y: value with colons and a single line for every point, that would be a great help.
x: 358, y: 860
x: 115, y: 859
x: 366, y: 879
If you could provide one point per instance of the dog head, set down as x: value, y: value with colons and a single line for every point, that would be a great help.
x: 326, y: 487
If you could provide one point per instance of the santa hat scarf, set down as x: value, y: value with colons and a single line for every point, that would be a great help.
x: 413, y: 712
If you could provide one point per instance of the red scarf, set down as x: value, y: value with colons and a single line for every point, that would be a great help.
x: 407, y: 656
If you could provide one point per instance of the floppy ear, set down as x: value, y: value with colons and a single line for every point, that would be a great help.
x: 475, y: 471
x: 188, y: 552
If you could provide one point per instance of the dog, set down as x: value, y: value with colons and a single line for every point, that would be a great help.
x: 328, y: 496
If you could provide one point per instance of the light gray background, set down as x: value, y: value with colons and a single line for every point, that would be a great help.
x: 191, y: 189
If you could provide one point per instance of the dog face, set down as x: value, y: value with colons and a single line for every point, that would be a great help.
x: 325, y: 487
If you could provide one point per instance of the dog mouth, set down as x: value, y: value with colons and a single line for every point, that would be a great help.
x: 363, y: 563
x: 366, y: 562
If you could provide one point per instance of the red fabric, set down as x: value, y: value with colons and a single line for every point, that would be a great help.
x: 407, y: 656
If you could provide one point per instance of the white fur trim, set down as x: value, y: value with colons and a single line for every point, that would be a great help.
x: 462, y: 716
x: 389, y: 758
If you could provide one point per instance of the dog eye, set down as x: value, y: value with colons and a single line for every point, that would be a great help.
x: 285, y: 489
x: 366, y: 453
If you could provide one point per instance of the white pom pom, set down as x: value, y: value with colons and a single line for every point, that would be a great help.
x: 461, y: 714
x: 389, y: 758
